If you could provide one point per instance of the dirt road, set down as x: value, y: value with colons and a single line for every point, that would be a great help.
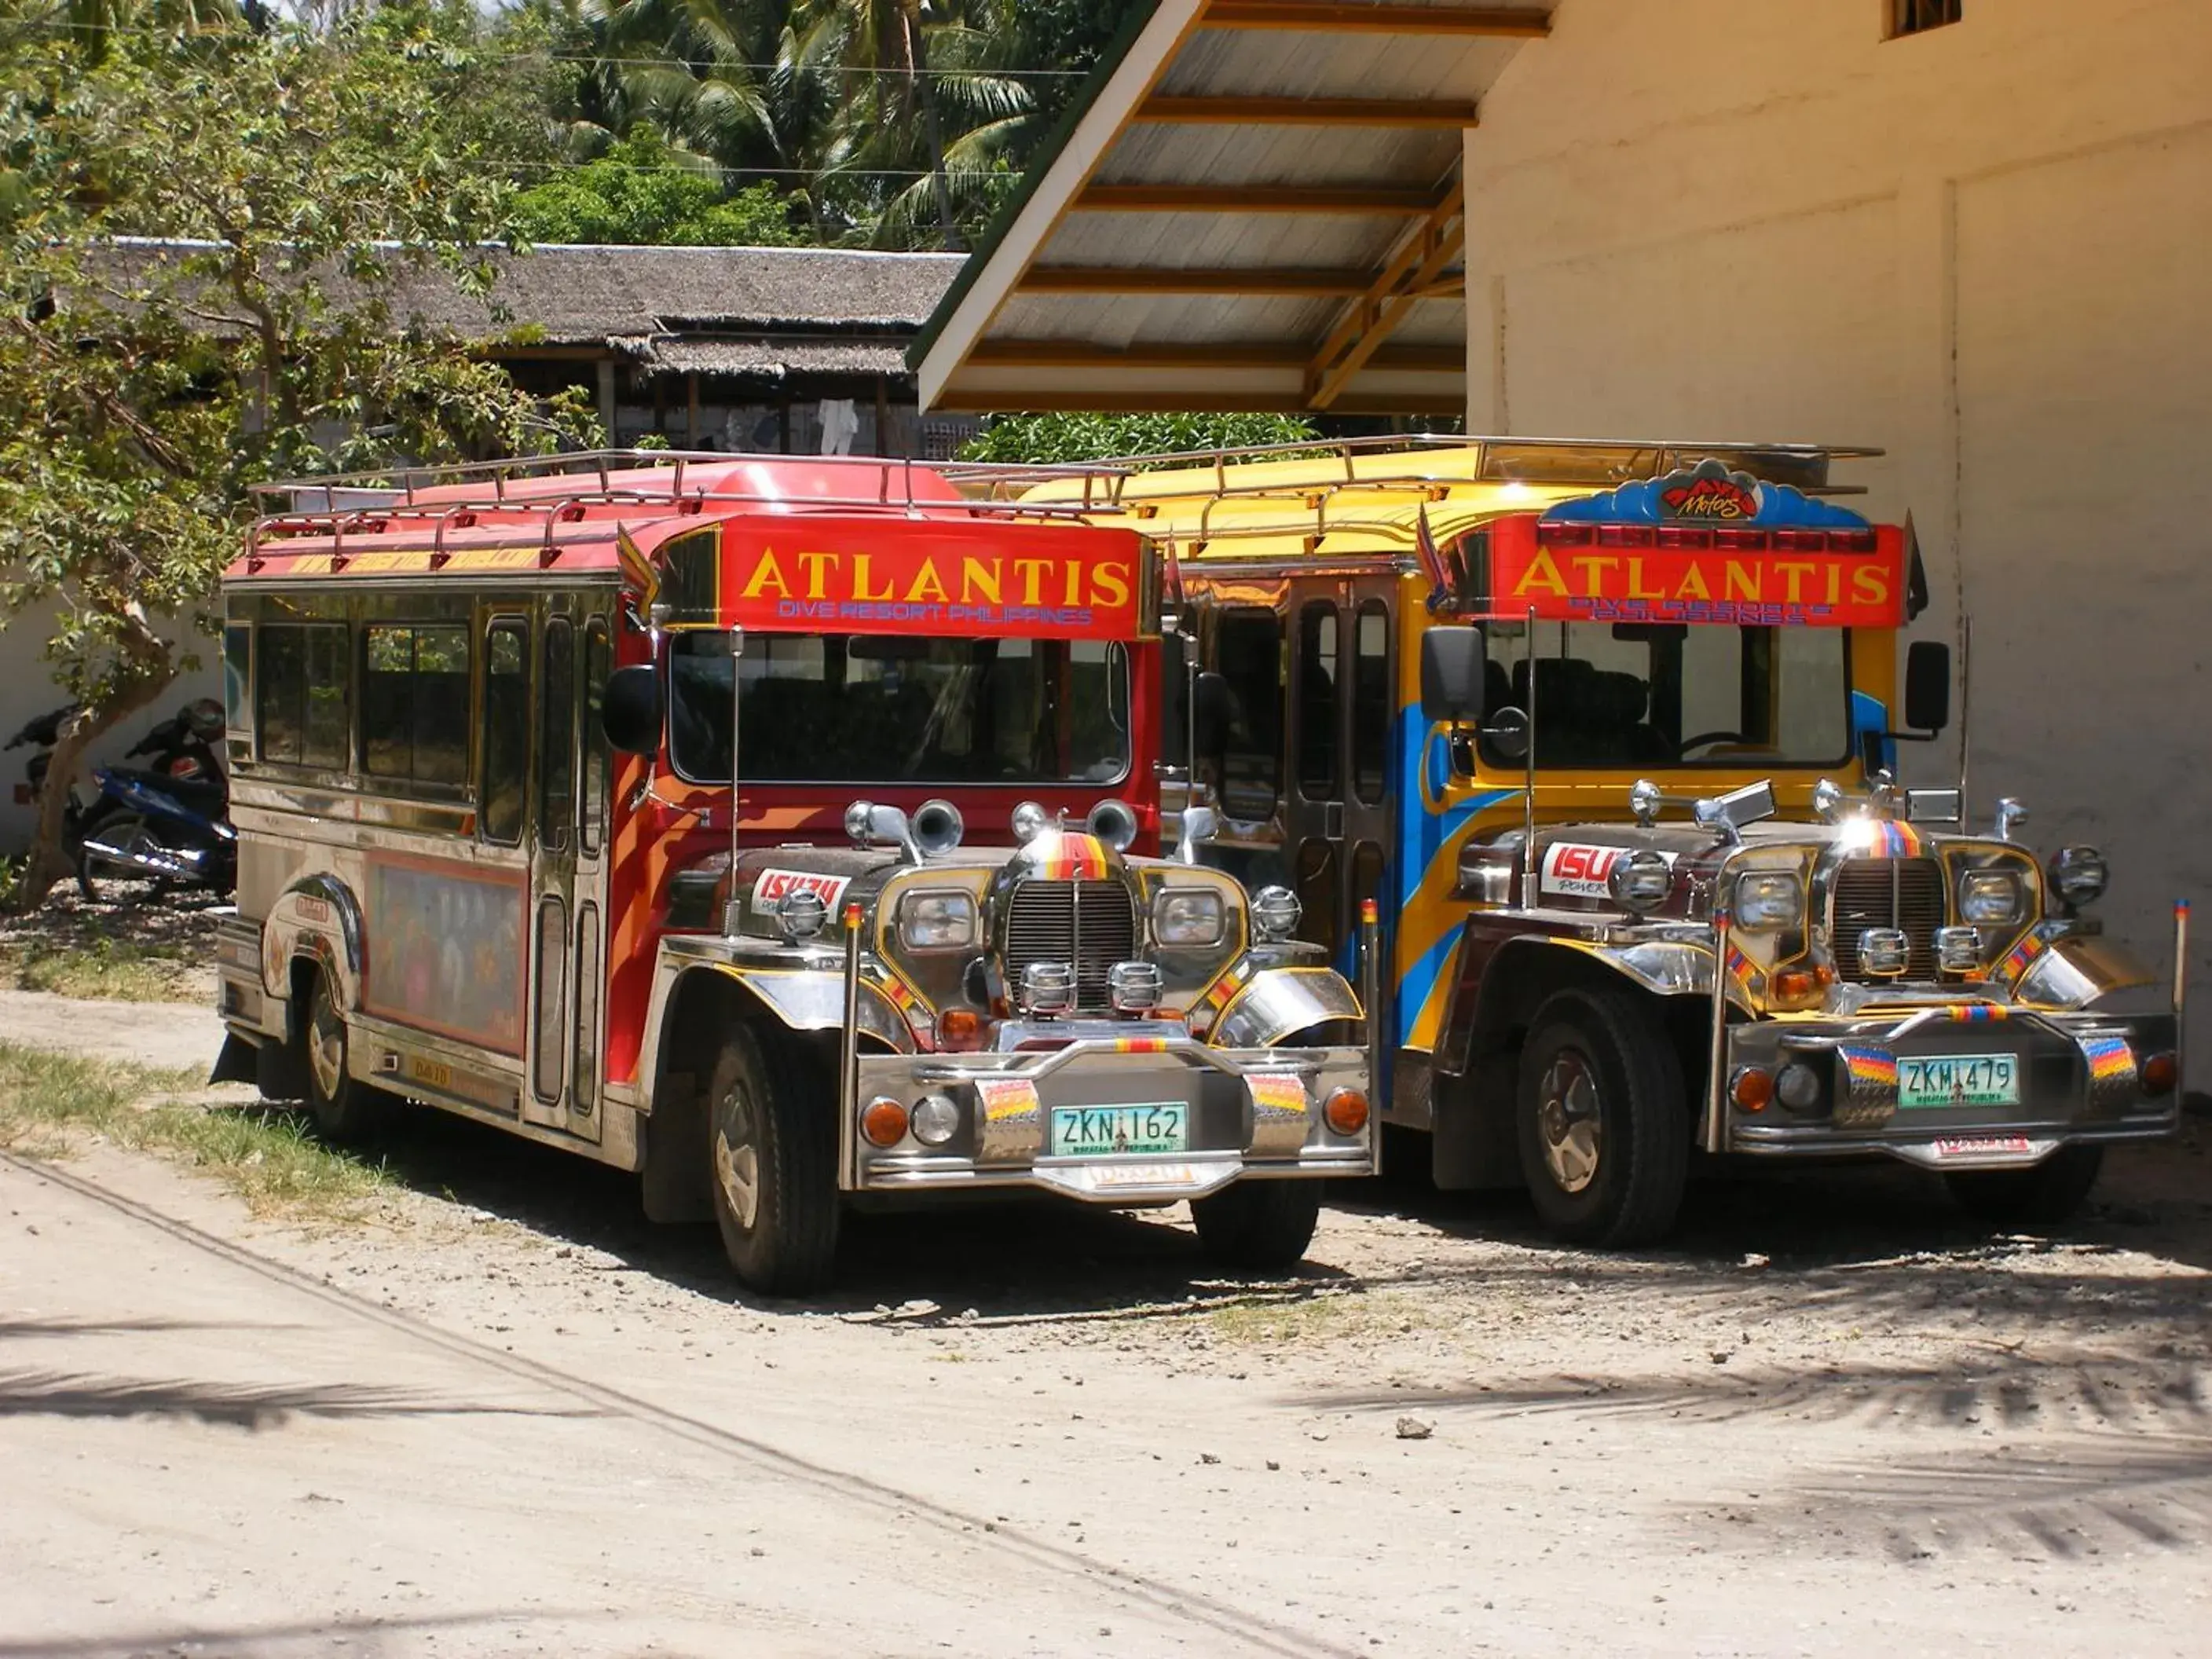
x: 510, y: 1418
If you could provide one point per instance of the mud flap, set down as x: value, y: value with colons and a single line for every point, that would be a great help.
x: 239, y: 1060
x: 675, y: 1180
x: 1475, y: 1145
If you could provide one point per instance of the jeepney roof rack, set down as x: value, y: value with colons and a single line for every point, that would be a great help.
x: 433, y: 494
x: 1598, y: 462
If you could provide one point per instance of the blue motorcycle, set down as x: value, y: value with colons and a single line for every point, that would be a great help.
x: 165, y: 822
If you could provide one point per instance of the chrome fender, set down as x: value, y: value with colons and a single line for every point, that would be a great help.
x: 316, y: 918
x: 1275, y: 1002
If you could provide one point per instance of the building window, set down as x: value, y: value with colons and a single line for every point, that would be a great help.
x: 1917, y: 16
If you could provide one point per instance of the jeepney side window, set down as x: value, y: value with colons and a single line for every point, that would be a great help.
x: 592, y: 816
x: 501, y: 802
x: 300, y: 702
x: 237, y: 676
x: 1248, y: 655
x: 414, y: 703
x: 1371, y: 700
x: 1317, y: 704
x: 556, y: 738
x: 1175, y: 701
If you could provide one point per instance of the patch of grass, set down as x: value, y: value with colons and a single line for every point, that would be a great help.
x: 268, y: 1157
x: 116, y: 969
x: 1287, y: 1323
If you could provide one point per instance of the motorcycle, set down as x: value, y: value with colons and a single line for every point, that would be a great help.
x: 45, y: 731
x: 168, y: 821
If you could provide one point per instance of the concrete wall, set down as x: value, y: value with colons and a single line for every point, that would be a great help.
x: 27, y: 689
x: 1987, y: 248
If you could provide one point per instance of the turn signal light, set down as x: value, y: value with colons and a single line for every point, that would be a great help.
x: 1795, y: 984
x: 1752, y: 1088
x: 882, y: 1120
x: 2159, y: 1074
x: 958, y: 1027
x: 1345, y: 1111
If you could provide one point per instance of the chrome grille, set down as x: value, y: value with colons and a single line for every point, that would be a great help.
x: 1091, y: 924
x: 1901, y: 893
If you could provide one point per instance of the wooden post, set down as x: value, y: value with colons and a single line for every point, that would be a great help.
x: 883, y: 415
x: 691, y: 411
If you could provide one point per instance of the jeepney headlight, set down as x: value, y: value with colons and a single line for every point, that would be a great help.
x: 800, y: 915
x: 1990, y: 898
x: 1957, y: 949
x: 1885, y: 950
x: 1134, y: 988
x: 1188, y: 916
x: 1275, y: 914
x: 2079, y: 873
x: 937, y: 920
x: 1768, y: 898
x: 1641, y: 881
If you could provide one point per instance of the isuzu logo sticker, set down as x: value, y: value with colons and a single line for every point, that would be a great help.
x: 776, y: 885
x: 1579, y: 871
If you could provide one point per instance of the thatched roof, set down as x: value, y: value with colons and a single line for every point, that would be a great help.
x: 706, y: 310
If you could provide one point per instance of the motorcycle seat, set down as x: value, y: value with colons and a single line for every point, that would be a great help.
x: 206, y: 796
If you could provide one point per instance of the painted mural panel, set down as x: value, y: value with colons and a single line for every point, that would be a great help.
x: 446, y: 949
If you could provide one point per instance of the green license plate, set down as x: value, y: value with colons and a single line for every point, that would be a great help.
x: 1106, y: 1131
x: 1957, y: 1080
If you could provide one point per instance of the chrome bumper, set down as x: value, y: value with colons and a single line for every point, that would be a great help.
x: 1249, y: 1113
x: 2080, y: 1079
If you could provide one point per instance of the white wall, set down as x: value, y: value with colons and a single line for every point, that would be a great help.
x: 27, y: 689
x: 1986, y: 248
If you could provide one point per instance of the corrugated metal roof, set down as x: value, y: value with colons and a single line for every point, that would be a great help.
x: 1255, y: 206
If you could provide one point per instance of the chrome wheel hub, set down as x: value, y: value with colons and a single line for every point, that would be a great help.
x: 326, y: 1043
x: 737, y: 1160
x: 1567, y: 1121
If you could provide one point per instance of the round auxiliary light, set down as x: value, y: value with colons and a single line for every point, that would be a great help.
x: 884, y: 1121
x: 1641, y: 880
x: 856, y: 821
x: 1797, y: 1087
x: 2079, y: 873
x: 1345, y: 1111
x: 800, y: 915
x: 1275, y: 914
x: 1028, y: 821
x: 1752, y: 1089
x: 935, y: 1120
x: 2159, y: 1074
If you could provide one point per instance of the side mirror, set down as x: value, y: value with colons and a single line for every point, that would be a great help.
x: 1209, y: 715
x: 1737, y: 810
x: 1452, y: 668
x: 629, y: 710
x: 1928, y: 686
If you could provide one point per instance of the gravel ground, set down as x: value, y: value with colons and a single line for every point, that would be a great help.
x: 508, y: 1416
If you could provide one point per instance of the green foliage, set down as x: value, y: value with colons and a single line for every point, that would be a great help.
x: 1039, y: 439
x: 144, y: 391
x: 641, y: 192
x: 903, y: 123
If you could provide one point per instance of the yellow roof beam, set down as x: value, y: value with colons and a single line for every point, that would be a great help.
x: 1391, y: 200
x: 1446, y: 114
x: 1415, y: 267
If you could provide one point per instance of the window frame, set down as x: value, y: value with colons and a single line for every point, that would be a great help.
x: 410, y: 782
x: 495, y: 622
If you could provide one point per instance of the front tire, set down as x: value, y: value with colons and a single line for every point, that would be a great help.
x: 347, y: 1112
x: 2045, y: 1195
x: 772, y: 1146
x: 1262, y: 1226
x: 1603, y: 1118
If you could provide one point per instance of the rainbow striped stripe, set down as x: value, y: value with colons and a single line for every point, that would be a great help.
x: 1068, y: 855
x: 1745, y: 972
x: 1898, y: 841
x: 2110, y: 1058
x: 1977, y: 1014
x: 2017, y: 960
x: 1873, y: 1068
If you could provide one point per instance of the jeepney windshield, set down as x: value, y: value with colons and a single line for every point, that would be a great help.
x: 1650, y: 695
x: 874, y: 708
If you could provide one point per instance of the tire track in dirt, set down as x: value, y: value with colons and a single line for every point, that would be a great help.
x: 1218, y: 1618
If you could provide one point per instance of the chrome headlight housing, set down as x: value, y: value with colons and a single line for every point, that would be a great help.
x: 1641, y: 880
x: 2079, y: 874
x: 1992, y: 898
x: 1188, y: 916
x: 937, y: 920
x: 800, y: 915
x: 1276, y: 913
x: 1768, y: 898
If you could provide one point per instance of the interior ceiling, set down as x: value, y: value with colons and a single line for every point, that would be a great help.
x: 1258, y: 208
